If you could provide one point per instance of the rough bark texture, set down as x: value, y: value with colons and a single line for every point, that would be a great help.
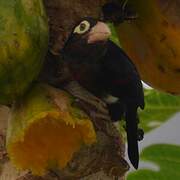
x: 105, y: 157
x: 64, y: 14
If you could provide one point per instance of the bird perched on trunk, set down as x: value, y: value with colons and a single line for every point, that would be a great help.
x: 105, y: 70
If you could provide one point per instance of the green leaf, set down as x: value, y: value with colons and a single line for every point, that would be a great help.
x: 158, y: 109
x: 166, y: 157
x: 114, y: 36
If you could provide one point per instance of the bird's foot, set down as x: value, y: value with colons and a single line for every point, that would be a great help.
x: 96, y: 115
x: 82, y: 94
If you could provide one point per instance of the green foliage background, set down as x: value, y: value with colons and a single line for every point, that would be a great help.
x: 160, y: 107
x: 166, y: 157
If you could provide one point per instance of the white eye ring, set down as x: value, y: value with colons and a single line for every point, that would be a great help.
x: 83, y: 27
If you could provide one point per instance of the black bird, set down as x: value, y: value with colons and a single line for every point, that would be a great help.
x: 105, y: 70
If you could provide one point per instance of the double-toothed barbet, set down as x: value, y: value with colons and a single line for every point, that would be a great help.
x: 105, y: 70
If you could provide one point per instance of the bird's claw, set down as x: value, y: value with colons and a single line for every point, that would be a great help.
x: 96, y: 115
x: 82, y: 94
x: 99, y: 105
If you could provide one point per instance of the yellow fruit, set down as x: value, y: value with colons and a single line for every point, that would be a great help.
x: 153, y: 42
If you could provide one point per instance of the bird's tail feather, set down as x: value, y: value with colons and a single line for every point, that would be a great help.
x: 131, y: 128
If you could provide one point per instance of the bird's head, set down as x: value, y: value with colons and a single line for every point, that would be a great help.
x: 87, y: 39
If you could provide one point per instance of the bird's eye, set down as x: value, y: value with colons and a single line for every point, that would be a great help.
x: 83, y: 27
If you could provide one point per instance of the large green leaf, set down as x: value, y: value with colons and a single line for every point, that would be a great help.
x: 159, y: 108
x: 166, y: 157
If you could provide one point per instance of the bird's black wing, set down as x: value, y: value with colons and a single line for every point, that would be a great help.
x: 121, y: 75
x: 124, y: 82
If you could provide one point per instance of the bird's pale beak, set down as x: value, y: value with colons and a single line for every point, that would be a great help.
x: 100, y: 32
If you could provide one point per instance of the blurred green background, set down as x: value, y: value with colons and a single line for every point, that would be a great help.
x: 160, y: 149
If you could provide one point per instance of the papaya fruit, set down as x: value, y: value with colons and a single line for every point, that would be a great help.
x: 23, y: 45
x: 153, y: 42
x: 45, y: 129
